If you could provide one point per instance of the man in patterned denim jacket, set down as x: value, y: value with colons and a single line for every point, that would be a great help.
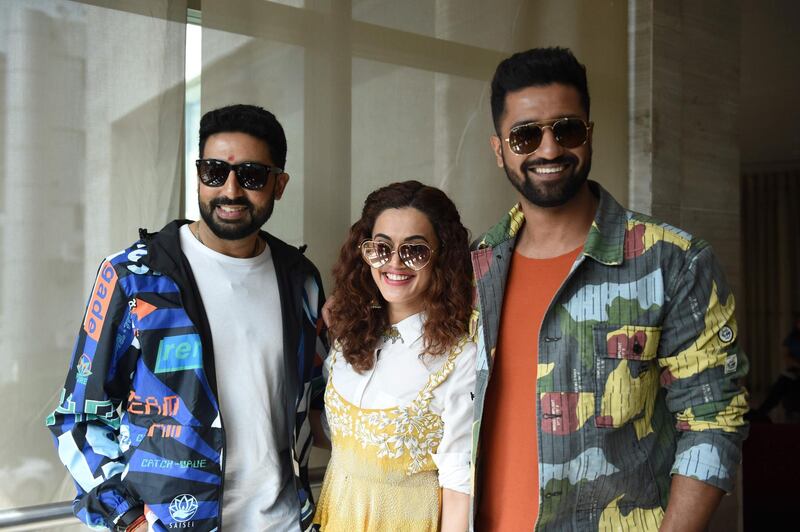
x: 629, y: 414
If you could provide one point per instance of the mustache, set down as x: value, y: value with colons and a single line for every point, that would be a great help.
x: 563, y: 159
x: 244, y: 202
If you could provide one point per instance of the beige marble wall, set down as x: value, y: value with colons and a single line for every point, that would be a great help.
x: 684, y: 154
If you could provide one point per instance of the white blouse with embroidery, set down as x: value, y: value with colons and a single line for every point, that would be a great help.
x: 397, y: 377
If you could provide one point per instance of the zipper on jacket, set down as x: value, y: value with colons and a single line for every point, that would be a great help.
x: 222, y: 472
x: 171, y: 250
x: 224, y: 450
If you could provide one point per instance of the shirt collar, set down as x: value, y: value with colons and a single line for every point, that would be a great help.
x: 406, y: 331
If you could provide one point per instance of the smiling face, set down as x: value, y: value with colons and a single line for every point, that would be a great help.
x: 403, y: 288
x: 551, y: 175
x: 230, y: 211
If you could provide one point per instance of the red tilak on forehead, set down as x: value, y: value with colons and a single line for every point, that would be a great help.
x: 230, y: 158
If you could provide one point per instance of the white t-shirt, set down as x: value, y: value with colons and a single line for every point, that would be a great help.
x: 241, y: 300
x: 397, y: 377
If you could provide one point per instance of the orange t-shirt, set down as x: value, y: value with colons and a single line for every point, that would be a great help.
x: 509, y: 454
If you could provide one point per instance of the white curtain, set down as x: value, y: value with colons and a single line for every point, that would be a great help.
x: 91, y: 121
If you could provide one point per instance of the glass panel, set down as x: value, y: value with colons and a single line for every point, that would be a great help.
x: 90, y: 132
x: 413, y: 16
x: 192, y: 119
x: 489, y: 25
x: 241, y: 69
x: 432, y: 127
x: 290, y: 3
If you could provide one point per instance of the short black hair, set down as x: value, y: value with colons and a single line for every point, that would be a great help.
x: 535, y: 68
x: 249, y: 119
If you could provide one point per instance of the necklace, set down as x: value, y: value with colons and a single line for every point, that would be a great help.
x: 253, y: 253
x: 196, y: 234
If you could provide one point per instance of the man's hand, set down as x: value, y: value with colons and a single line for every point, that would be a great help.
x: 139, y: 524
x: 141, y: 527
x: 691, y: 505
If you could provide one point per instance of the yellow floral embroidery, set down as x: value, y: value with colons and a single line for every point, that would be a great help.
x: 409, y: 434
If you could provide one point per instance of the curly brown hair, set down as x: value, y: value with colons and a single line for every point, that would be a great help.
x: 356, y: 324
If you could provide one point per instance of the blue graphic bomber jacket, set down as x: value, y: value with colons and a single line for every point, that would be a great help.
x: 638, y: 371
x: 138, y: 425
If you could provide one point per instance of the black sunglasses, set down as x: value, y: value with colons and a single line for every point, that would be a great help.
x: 252, y: 176
x: 570, y: 133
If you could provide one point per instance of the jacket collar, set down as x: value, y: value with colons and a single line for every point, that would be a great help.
x: 163, y: 257
x: 604, y: 243
x: 163, y: 249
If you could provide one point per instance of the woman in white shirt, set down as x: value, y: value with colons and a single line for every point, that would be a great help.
x: 400, y: 376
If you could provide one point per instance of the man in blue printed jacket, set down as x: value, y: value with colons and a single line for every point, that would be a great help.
x: 188, y: 391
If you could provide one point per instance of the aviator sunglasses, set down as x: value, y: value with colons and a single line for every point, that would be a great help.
x: 376, y: 253
x: 252, y: 176
x: 570, y: 133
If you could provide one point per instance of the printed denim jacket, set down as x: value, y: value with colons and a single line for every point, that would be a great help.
x: 638, y: 370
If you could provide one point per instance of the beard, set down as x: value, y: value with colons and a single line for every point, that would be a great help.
x: 550, y: 193
x: 235, y: 230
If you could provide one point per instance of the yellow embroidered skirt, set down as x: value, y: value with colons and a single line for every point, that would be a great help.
x: 359, y: 496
